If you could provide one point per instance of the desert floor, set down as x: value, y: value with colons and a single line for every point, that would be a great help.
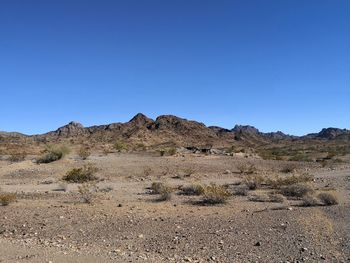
x: 125, y: 223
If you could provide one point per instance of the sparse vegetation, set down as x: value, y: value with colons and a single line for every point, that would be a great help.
x: 88, y: 192
x: 253, y: 181
x: 7, y: 198
x: 289, y: 168
x: 53, y: 153
x: 328, y: 198
x: 245, y: 168
x: 280, y: 181
x: 274, y: 198
x: 120, y: 146
x: 84, y: 152
x: 297, y: 190
x: 17, y: 157
x: 310, y: 200
x: 215, y: 194
x: 169, y: 151
x: 194, y: 189
x: 241, y: 190
x: 82, y: 174
x: 163, y: 190
x: 147, y: 171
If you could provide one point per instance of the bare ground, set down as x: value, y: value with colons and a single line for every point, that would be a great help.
x: 126, y: 224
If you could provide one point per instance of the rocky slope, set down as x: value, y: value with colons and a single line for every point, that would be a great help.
x: 171, y: 130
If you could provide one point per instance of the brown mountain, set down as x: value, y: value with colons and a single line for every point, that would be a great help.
x: 170, y: 130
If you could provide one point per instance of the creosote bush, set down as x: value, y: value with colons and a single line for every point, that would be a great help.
x: 82, y: 174
x: 253, y: 181
x: 241, y: 190
x: 53, y: 153
x: 163, y: 190
x: 194, y: 189
x: 120, y: 146
x: 328, y: 198
x: 297, y: 190
x: 215, y: 194
x: 84, y: 153
x: 88, y: 192
x: 310, y: 200
x: 7, y: 198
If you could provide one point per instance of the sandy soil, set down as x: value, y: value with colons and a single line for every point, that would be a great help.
x: 126, y: 224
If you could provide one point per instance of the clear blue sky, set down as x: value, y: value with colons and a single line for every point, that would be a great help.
x: 277, y: 65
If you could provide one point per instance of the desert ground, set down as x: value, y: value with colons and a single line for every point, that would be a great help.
x: 123, y: 220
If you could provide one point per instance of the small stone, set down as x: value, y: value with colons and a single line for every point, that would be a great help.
x: 258, y: 244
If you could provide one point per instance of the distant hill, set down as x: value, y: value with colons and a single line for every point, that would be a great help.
x: 172, y: 130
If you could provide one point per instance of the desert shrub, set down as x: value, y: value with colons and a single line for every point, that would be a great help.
x: 163, y: 190
x: 7, y: 198
x: 17, y: 157
x: 53, y: 153
x: 162, y: 152
x: 241, y: 190
x: 247, y: 168
x: 276, y: 198
x: 194, y: 189
x: 159, y: 187
x: 120, y: 146
x: 328, y: 198
x: 215, y: 194
x: 281, y: 181
x: 82, y: 174
x: 88, y: 192
x: 253, y: 181
x: 289, y: 168
x: 165, y: 196
x: 189, y: 171
x: 297, y: 190
x: 172, y: 151
x: 310, y: 200
x: 84, y: 153
x: 147, y: 171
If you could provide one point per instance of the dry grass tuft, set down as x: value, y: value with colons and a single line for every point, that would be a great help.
x: 163, y: 190
x: 246, y: 168
x: 88, y: 192
x: 253, y: 182
x: 84, y: 152
x: 7, y: 198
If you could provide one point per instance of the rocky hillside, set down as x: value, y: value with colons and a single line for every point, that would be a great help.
x: 171, y: 130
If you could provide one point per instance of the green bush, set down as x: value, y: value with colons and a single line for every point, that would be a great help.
x: 82, y: 174
x: 53, y: 153
x: 215, y: 194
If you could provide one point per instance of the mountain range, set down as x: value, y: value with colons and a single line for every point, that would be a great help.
x: 171, y: 130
